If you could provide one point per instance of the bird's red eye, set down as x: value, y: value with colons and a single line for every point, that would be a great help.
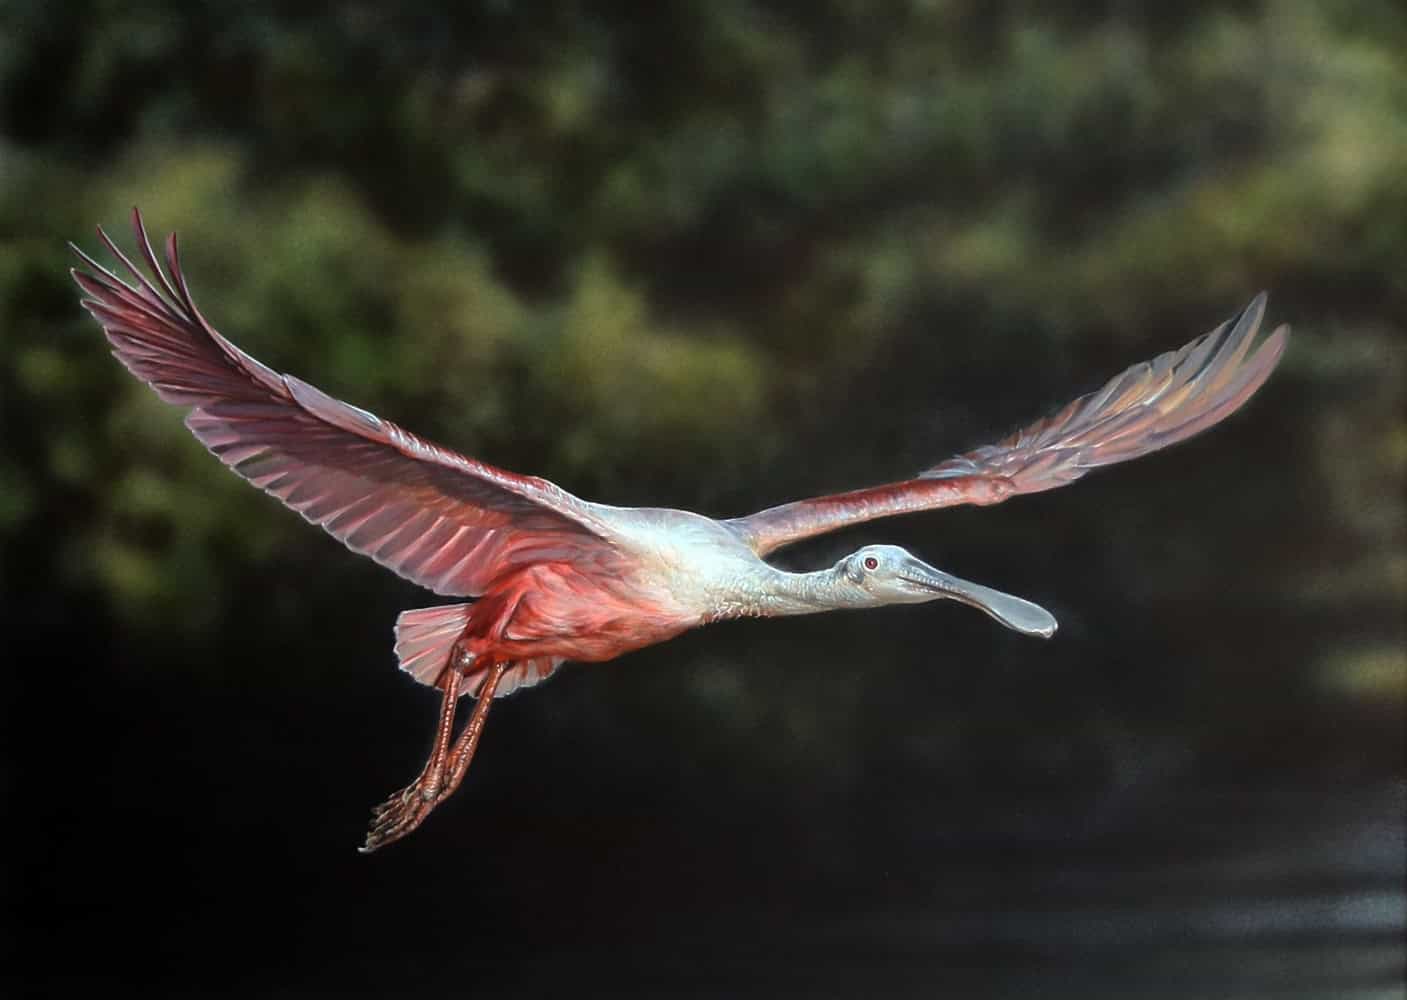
x: 871, y: 562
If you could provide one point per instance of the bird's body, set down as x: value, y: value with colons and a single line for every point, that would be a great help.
x: 553, y: 577
x: 666, y: 571
x: 641, y: 596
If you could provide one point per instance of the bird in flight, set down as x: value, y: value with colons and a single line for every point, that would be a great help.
x: 553, y: 577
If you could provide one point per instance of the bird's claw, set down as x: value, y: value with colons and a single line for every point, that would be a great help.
x: 402, y: 813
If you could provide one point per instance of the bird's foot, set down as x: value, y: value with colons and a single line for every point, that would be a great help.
x: 404, y: 811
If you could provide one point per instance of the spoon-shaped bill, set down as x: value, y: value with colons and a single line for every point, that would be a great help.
x: 1013, y: 612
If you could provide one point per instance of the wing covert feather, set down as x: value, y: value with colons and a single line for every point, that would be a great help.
x: 1150, y: 406
x: 441, y: 519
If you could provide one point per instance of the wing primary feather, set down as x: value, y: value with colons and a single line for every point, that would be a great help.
x: 143, y: 284
x: 144, y: 247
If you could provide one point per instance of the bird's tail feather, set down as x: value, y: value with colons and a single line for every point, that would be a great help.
x: 425, y: 636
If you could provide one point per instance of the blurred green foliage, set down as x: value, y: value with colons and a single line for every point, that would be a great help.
x: 716, y: 255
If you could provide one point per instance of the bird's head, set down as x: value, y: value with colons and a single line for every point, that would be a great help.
x: 888, y: 574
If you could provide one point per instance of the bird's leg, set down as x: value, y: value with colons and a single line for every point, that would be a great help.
x: 407, y: 809
x: 468, y: 741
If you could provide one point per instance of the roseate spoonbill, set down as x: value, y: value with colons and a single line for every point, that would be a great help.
x: 557, y: 578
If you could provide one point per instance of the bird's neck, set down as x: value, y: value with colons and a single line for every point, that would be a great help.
x: 775, y: 593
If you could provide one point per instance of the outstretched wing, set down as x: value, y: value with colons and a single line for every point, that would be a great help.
x: 438, y: 518
x: 1150, y: 406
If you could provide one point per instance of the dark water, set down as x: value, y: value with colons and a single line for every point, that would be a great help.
x: 181, y: 859
x: 1316, y: 909
x: 1308, y: 902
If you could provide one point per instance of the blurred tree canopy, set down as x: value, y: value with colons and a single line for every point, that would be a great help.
x: 718, y: 255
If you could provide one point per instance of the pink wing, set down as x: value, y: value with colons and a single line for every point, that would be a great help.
x: 1150, y: 406
x: 436, y: 517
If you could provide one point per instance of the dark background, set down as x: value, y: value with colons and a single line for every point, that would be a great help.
x: 716, y: 256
